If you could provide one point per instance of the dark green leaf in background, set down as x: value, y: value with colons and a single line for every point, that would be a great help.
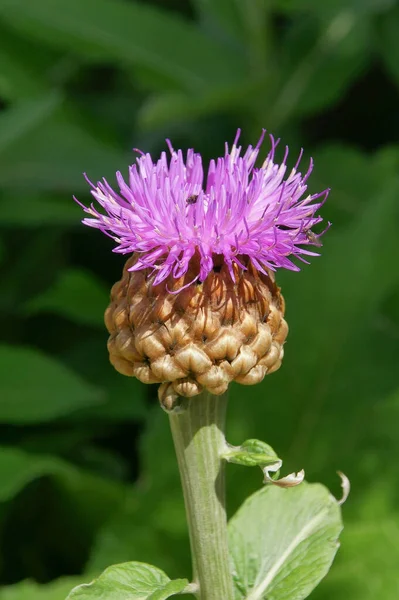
x: 222, y: 18
x: 50, y: 150
x: 30, y: 114
x: 37, y: 388
x: 330, y: 6
x: 388, y: 46
x: 129, y: 32
x: 29, y: 70
x: 25, y: 210
x: 76, y: 295
x: 124, y: 397
x: 331, y: 52
x: 18, y: 468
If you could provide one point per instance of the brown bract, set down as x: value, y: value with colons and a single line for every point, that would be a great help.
x: 202, y: 337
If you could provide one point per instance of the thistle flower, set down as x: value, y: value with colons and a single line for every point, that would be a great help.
x: 197, y: 306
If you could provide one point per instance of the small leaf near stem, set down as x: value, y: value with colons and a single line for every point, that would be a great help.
x: 256, y: 453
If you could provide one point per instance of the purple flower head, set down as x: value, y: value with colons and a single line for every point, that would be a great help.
x: 167, y: 211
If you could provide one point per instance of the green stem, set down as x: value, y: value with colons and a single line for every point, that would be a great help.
x: 198, y: 435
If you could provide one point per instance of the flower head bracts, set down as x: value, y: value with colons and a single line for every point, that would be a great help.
x: 166, y: 212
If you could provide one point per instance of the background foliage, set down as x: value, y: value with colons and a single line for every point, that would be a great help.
x: 87, y: 471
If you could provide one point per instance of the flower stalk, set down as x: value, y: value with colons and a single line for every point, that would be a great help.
x: 198, y: 435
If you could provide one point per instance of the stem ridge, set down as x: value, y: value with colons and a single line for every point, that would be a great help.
x: 198, y: 435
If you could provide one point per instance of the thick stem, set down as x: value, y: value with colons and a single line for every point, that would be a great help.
x: 198, y: 435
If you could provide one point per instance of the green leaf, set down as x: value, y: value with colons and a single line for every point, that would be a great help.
x: 392, y: 402
x: 27, y: 70
x: 36, y: 142
x: 254, y: 453
x: 349, y: 174
x: 130, y: 581
x: 251, y: 453
x: 36, y: 388
x: 29, y: 590
x: 388, y: 28
x: 130, y: 33
x: 358, y: 6
x: 76, y: 295
x: 319, y: 61
x: 282, y: 542
x: 164, y: 108
x: 26, y: 210
x: 222, y: 17
x: 25, y: 116
x: 53, y: 501
x: 125, y: 396
x: 16, y: 81
x: 18, y: 468
x: 354, y: 257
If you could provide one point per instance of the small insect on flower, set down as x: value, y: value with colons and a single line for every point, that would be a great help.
x: 313, y: 238
x: 192, y: 199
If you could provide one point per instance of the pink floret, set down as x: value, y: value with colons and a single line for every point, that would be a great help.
x: 166, y: 211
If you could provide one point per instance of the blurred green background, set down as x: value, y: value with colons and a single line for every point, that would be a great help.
x: 87, y: 471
